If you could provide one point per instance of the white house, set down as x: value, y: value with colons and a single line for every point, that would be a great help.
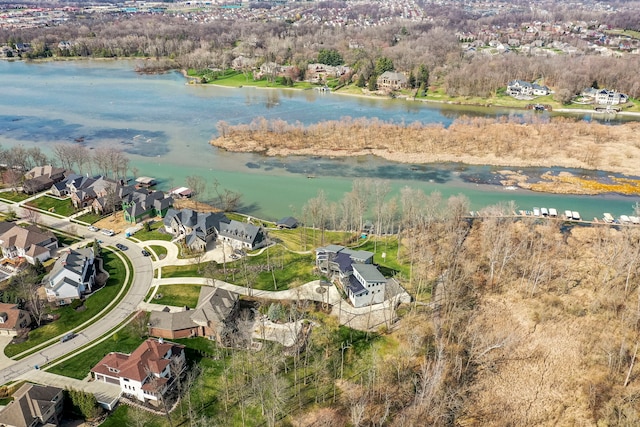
x: 146, y: 374
x: 366, y: 285
x: 197, y: 228
x: 72, y: 276
x: 30, y: 242
x: 610, y: 97
x: 519, y: 88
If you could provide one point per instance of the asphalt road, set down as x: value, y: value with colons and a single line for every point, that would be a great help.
x: 142, y: 278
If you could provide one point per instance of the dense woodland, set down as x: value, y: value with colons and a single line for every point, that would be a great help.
x: 178, y: 42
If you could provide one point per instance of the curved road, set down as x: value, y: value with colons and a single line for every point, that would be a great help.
x: 142, y: 278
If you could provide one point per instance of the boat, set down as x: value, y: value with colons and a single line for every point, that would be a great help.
x: 634, y: 219
x: 544, y: 211
x: 575, y: 215
x: 553, y: 213
x: 536, y: 211
x: 624, y: 219
x: 511, y: 188
x: 607, y: 217
x: 568, y: 215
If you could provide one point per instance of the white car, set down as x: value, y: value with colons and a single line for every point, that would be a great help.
x: 108, y: 232
x: 93, y: 228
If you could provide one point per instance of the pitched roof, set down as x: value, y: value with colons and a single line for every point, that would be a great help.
x: 242, y: 231
x: 31, y: 401
x: 24, y: 237
x: 288, y: 222
x: 171, y: 321
x: 12, y: 313
x: 214, y: 306
x: 149, y: 356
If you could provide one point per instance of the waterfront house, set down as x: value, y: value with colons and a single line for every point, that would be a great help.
x: 146, y: 374
x: 73, y: 275
x: 520, y: 88
x: 288, y: 222
x: 34, y: 405
x: 139, y: 204
x: 242, y: 235
x: 41, y: 178
x: 390, y: 80
x: 197, y: 228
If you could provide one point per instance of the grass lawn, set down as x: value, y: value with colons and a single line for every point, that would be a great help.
x: 237, y: 79
x: 78, y: 367
x: 70, y: 318
x: 65, y: 239
x: 289, y: 270
x: 161, y: 251
x: 49, y: 204
x: 176, y: 295
x: 307, y: 239
x: 89, y: 217
x: 390, y: 264
x: 13, y: 196
x: 154, y: 234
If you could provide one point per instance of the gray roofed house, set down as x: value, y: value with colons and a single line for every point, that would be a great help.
x: 34, y: 405
x: 72, y: 276
x: 214, y: 317
x: 287, y: 222
x: 355, y: 272
x: 198, y: 228
x: 139, y: 204
x: 29, y: 242
x: 390, y: 80
x: 242, y: 235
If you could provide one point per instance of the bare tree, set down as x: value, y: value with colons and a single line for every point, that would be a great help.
x: 198, y: 185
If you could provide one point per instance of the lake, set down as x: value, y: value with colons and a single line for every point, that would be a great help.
x: 165, y: 126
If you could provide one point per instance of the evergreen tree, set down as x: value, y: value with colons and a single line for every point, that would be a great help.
x: 361, y: 80
x: 383, y: 64
x: 412, y: 80
x: 330, y: 57
x: 373, y: 83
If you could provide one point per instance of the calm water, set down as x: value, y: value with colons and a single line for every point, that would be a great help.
x: 165, y: 125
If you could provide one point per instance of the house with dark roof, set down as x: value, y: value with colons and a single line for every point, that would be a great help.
x: 12, y: 319
x: 288, y: 222
x: 61, y: 188
x: 29, y: 242
x: 197, y: 228
x: 242, y: 235
x: 41, y: 178
x: 146, y: 374
x: 34, y: 405
x: 354, y: 270
x: 73, y: 275
x: 214, y: 317
x: 142, y: 203
x: 85, y: 190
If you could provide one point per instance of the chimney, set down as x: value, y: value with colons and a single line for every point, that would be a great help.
x: 161, y: 340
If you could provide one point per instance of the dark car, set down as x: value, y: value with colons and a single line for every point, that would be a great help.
x: 67, y: 337
x: 145, y: 253
x: 121, y: 247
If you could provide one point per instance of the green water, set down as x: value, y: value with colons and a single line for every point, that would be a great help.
x: 165, y: 126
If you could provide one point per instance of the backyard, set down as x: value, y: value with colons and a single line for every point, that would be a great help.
x: 153, y: 233
x: 13, y: 196
x: 62, y: 207
x: 176, y: 295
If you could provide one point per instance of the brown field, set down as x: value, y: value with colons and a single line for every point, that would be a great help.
x: 502, y: 142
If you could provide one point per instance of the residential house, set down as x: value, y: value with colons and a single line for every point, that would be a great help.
x: 197, y: 228
x: 146, y: 374
x: 34, y: 405
x: 29, y: 242
x: 242, y: 235
x: 520, y: 88
x: 214, y: 318
x: 12, y: 319
x: 42, y: 178
x: 142, y: 203
x: 73, y: 275
x: 61, y: 188
x: 85, y: 190
x: 610, y: 97
x: 361, y: 280
x: 287, y: 222
x: 390, y: 80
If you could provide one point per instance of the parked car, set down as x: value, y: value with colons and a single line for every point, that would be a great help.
x: 67, y: 337
x: 93, y: 228
x: 145, y: 253
x: 108, y: 232
x: 121, y: 247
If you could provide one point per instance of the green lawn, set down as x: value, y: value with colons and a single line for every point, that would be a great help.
x: 154, y: 234
x: 89, y: 217
x: 12, y: 196
x: 49, y: 204
x: 78, y: 367
x: 289, y: 270
x: 237, y: 79
x: 307, y: 239
x: 176, y: 295
x: 70, y: 318
x: 390, y: 264
x: 161, y: 251
x: 65, y: 239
